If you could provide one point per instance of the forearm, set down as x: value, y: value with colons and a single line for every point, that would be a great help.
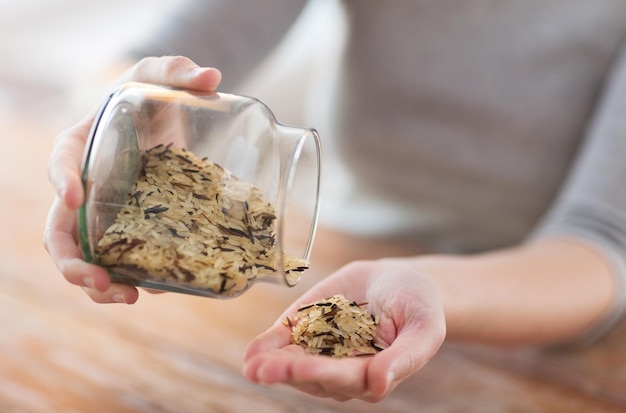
x: 545, y: 292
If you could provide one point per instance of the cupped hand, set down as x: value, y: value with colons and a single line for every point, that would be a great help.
x: 60, y: 237
x: 412, y: 327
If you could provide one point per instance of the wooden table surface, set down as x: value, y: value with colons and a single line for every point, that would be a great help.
x: 174, y: 353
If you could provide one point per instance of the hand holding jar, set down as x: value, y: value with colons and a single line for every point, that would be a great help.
x: 225, y: 168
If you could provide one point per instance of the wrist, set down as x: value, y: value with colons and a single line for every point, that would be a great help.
x: 445, y: 273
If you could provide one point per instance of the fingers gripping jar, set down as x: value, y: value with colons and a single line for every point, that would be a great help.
x: 197, y: 192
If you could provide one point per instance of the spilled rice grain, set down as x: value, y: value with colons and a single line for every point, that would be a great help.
x: 334, y: 327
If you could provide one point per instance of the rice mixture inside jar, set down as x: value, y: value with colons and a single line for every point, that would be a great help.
x: 189, y: 222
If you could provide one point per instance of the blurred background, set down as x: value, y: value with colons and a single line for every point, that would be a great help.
x: 48, y: 46
x: 51, y: 50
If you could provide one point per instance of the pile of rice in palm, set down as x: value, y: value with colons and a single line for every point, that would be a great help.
x: 189, y: 222
x: 335, y: 327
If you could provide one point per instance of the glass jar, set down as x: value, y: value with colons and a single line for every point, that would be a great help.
x: 199, y: 193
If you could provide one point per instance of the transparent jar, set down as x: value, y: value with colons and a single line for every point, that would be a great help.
x: 199, y: 193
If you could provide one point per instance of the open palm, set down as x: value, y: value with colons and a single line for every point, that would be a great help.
x: 412, y: 328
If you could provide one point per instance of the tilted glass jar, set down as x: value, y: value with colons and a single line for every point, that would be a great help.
x: 199, y: 193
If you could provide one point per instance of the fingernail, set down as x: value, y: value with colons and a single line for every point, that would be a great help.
x: 119, y: 298
x: 200, y: 70
x: 88, y: 282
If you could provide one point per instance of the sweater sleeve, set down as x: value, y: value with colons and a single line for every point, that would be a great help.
x: 592, y: 205
x: 232, y: 35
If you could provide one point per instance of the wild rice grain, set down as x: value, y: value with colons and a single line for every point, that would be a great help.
x: 176, y: 227
x: 334, y: 327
